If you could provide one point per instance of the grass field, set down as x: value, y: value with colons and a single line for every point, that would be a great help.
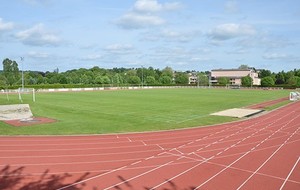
x: 132, y: 110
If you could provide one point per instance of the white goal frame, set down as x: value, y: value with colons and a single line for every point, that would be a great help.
x: 26, y: 91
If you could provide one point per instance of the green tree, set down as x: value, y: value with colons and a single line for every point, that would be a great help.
x: 165, y: 80
x: 280, y: 78
x: 134, y: 80
x: 247, y: 81
x: 181, y: 78
x: 223, y: 81
x: 168, y: 71
x: 203, y: 79
x: 244, y: 67
x: 267, y: 81
x: 106, y: 79
x: 11, y: 71
x: 294, y: 81
x: 264, y: 73
x: 150, y: 80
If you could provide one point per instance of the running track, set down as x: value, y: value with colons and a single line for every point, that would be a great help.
x: 258, y: 153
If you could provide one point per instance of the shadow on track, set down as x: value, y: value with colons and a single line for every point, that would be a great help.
x: 16, y: 179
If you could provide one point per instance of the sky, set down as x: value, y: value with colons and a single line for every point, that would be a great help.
x: 185, y: 35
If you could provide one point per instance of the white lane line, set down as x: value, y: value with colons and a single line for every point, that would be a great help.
x: 262, y: 165
x: 91, y: 178
x: 137, y: 176
x: 245, y: 154
x: 286, y: 179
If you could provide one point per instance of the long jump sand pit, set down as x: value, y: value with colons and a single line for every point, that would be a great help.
x: 238, y: 112
x: 20, y: 115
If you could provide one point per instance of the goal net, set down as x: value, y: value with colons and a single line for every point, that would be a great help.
x: 294, y: 96
x: 30, y: 91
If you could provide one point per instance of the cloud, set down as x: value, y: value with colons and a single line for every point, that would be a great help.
x: 119, y: 48
x: 136, y: 21
x: 231, y: 7
x: 145, y: 13
x: 38, y: 36
x: 275, y: 56
x: 172, y: 35
x: 38, y: 55
x: 92, y: 57
x: 4, y: 26
x: 229, y: 31
x: 154, y: 6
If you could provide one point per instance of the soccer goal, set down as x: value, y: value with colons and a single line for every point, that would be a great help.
x: 294, y: 96
x: 26, y: 91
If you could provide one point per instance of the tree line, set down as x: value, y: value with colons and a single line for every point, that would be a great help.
x: 11, y: 77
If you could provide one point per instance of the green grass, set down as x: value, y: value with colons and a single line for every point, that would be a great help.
x: 132, y: 110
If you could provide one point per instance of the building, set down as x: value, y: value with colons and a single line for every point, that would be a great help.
x: 193, y: 79
x: 235, y: 76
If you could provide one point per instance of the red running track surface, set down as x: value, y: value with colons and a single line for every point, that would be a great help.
x: 257, y: 153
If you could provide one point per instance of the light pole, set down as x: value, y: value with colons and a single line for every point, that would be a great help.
x: 22, y: 60
x: 142, y: 76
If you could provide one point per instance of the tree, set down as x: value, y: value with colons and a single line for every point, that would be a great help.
x: 203, y: 79
x: 294, y: 81
x: 280, y: 78
x: 267, y: 81
x: 244, y: 67
x: 165, y: 80
x: 150, y: 80
x: 168, y: 71
x: 181, y: 78
x: 247, y: 81
x: 264, y: 73
x: 11, y: 71
x: 134, y: 80
x: 223, y: 81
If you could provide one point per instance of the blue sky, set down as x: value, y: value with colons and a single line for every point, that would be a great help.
x: 183, y: 34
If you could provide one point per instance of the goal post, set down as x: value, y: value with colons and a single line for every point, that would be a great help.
x: 26, y: 91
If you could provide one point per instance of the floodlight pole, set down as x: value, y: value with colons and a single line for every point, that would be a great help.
x: 22, y: 60
x: 142, y: 76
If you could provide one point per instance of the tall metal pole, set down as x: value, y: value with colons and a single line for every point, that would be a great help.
x: 142, y: 76
x: 22, y: 60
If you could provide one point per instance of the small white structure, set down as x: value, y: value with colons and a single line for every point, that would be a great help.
x: 294, y: 96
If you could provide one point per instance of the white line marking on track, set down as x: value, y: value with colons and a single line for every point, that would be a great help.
x: 289, y: 174
x: 247, y: 154
x: 91, y: 178
x: 284, y: 143
x: 137, y: 176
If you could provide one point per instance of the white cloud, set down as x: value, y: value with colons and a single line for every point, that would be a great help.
x: 230, y: 31
x: 38, y: 36
x: 136, y: 21
x: 275, y: 56
x: 231, y: 7
x: 119, y: 48
x: 145, y: 13
x: 155, y: 6
x: 92, y: 57
x: 34, y: 54
x: 6, y: 25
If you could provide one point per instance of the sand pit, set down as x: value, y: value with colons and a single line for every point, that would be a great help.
x: 238, y: 112
x: 21, y: 115
x: 15, y: 112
